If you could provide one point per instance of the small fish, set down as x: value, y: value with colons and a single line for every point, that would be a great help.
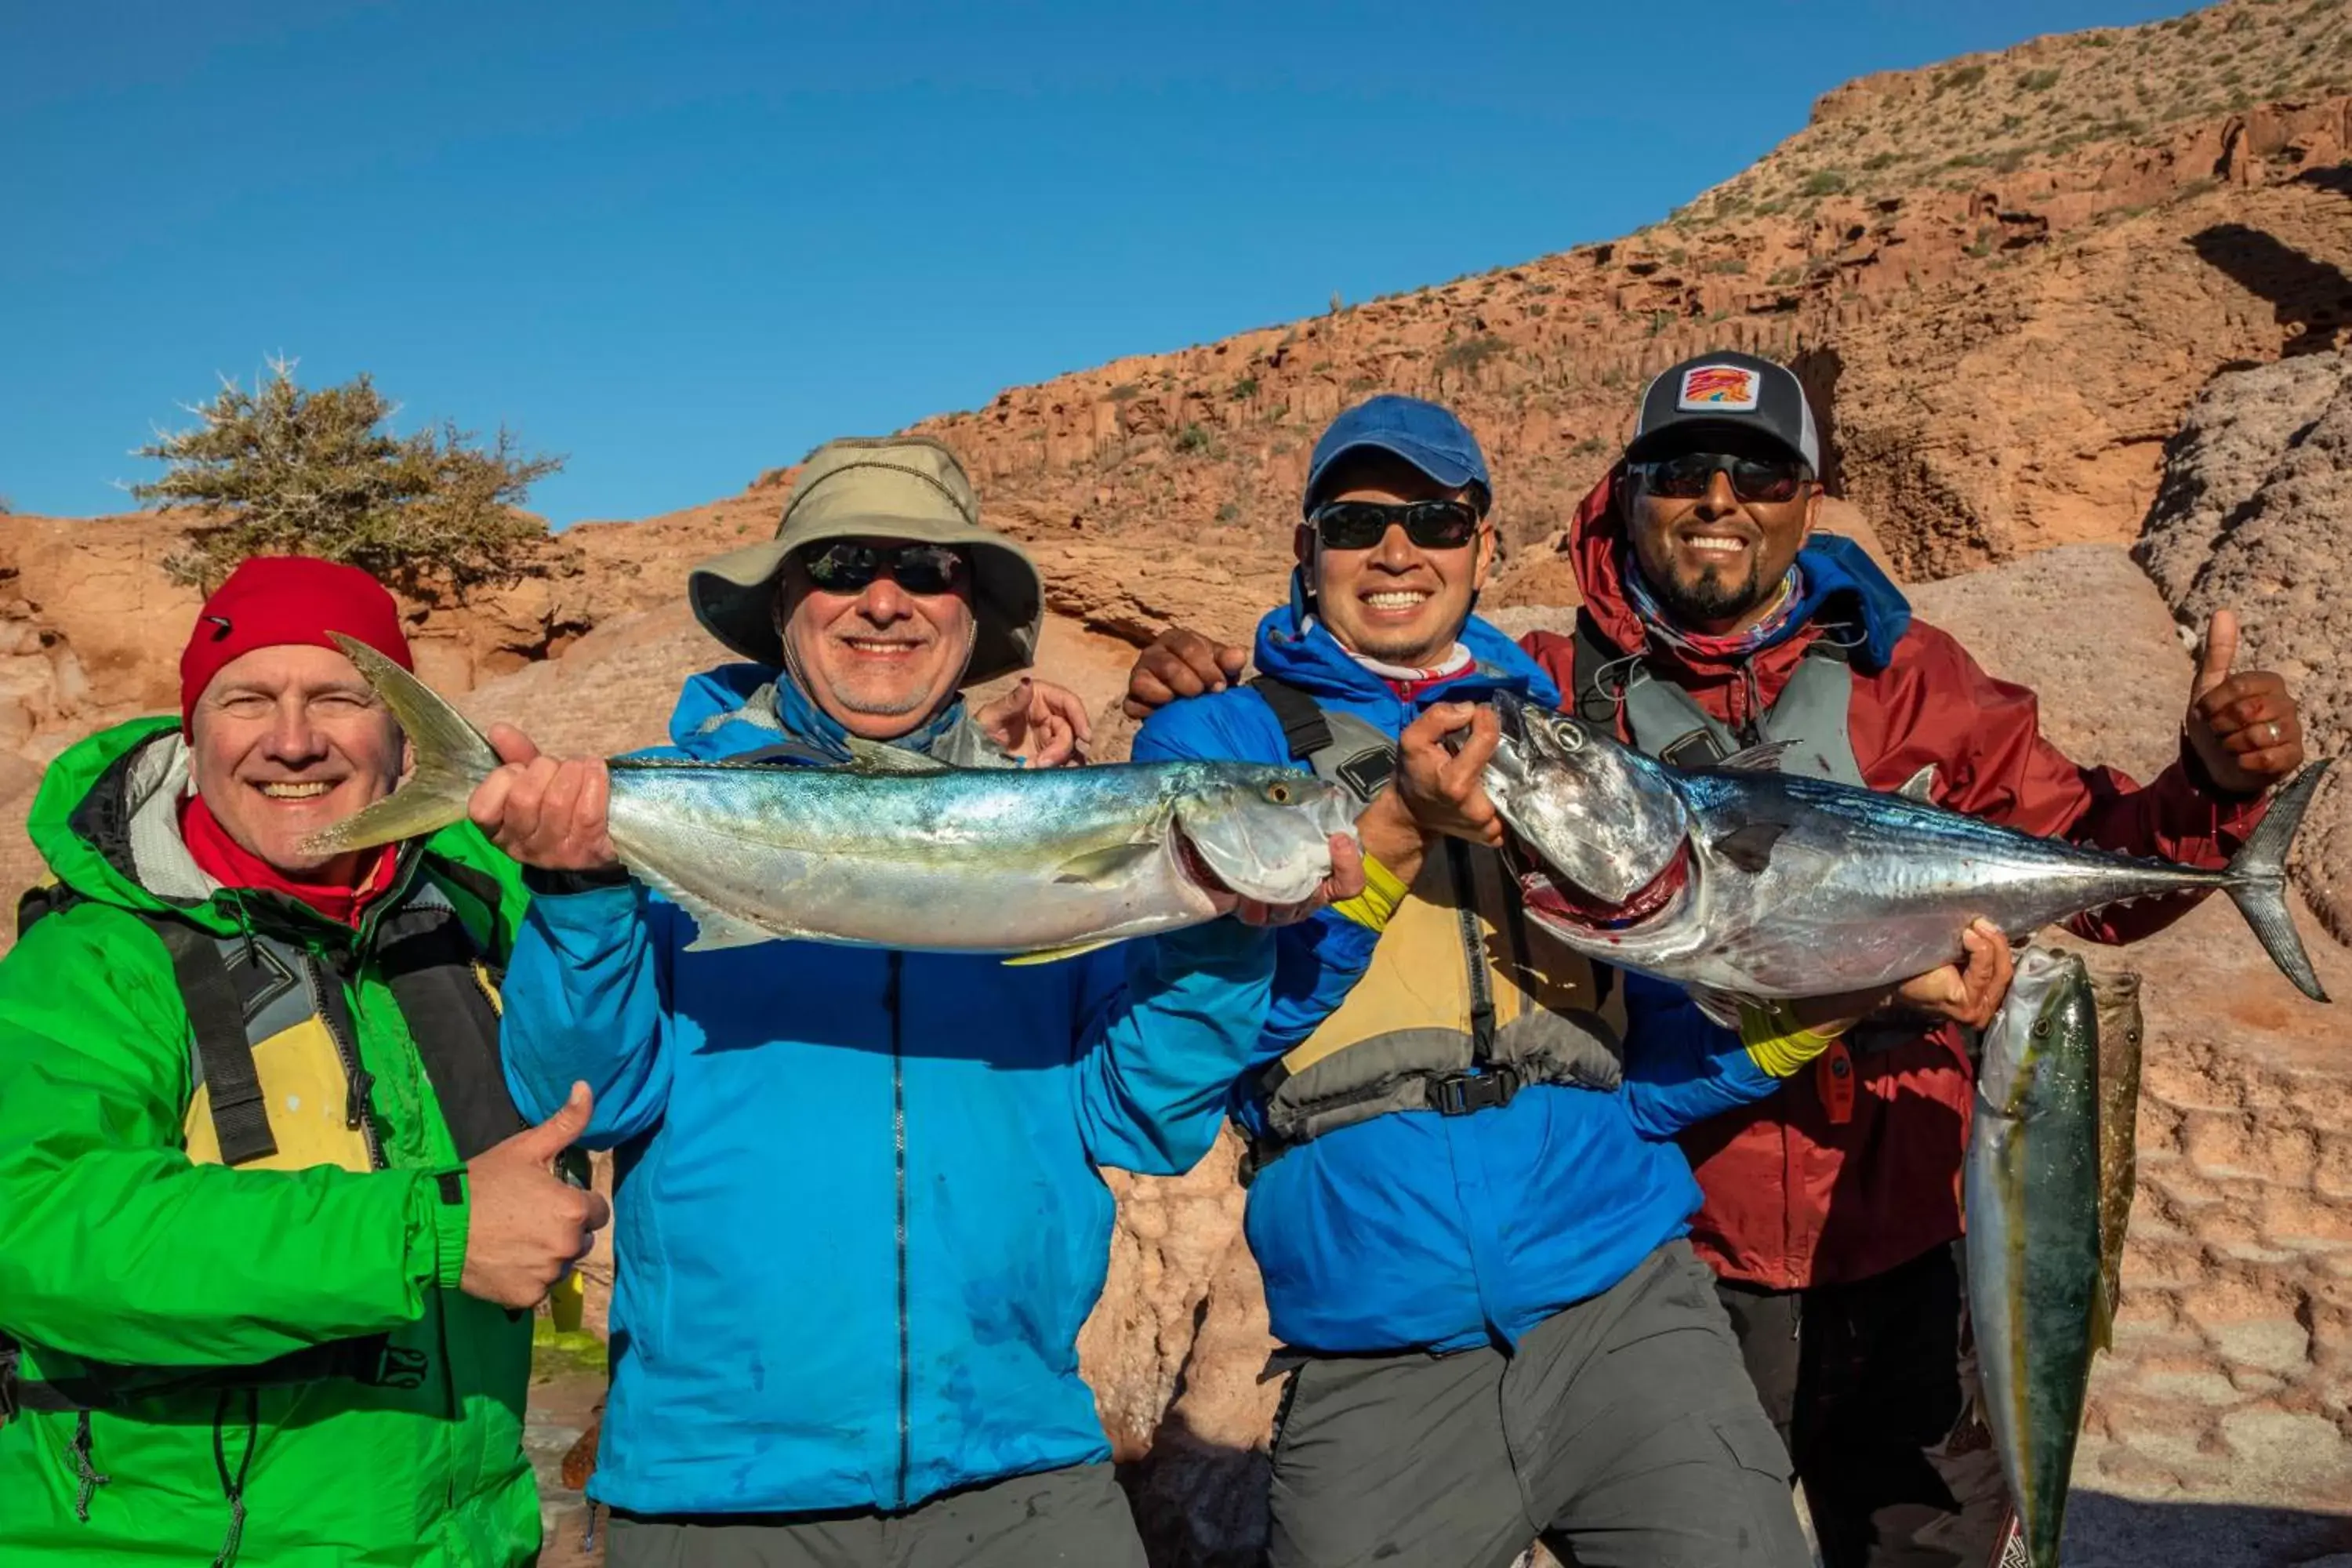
x: 898, y: 850
x: 2036, y: 1274
x: 1738, y: 881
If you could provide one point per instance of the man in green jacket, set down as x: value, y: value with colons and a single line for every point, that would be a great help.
x: 270, y: 1224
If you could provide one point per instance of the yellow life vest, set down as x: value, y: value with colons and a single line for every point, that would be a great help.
x: 1465, y: 1003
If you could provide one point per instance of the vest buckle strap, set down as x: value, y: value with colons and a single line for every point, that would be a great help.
x: 400, y: 1368
x: 1460, y: 1093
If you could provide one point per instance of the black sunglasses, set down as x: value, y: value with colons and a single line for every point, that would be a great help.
x: 1687, y: 476
x: 1362, y: 524
x: 846, y: 567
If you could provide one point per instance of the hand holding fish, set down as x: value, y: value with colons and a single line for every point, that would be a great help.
x: 1346, y: 880
x: 2245, y: 729
x: 1969, y: 995
x: 1045, y: 724
x: 1445, y: 788
x: 544, y: 811
x: 1181, y: 662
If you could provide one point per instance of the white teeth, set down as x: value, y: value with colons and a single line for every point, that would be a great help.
x: 1394, y: 601
x: 295, y: 790
x: 864, y: 646
x: 1717, y: 541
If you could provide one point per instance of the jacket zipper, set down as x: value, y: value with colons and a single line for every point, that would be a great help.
x: 899, y: 1157
x: 358, y: 1108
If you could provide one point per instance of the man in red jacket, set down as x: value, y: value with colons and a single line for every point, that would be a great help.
x: 1714, y: 619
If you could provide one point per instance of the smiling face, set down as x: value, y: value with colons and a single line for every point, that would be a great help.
x: 1716, y: 561
x: 286, y: 741
x: 1398, y: 601
x: 880, y: 660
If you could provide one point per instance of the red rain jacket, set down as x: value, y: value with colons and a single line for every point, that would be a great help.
x: 1791, y: 1198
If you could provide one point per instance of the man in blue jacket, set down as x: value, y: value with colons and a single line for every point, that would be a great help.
x: 1466, y: 1201
x: 858, y: 1218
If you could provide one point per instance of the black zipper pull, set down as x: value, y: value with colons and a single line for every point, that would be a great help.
x: 361, y: 1095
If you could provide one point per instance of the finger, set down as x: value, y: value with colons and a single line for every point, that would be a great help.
x: 1347, y: 878
x: 1179, y: 675
x: 1232, y: 659
x: 560, y: 1131
x: 594, y: 813
x: 2244, y: 699
x: 599, y: 1215
x: 1072, y: 710
x: 1429, y: 730
x: 1462, y: 775
x: 512, y: 744
x: 487, y: 807
x: 1054, y: 746
x: 557, y: 807
x: 2220, y: 650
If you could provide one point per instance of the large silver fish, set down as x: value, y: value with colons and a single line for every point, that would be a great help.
x: 897, y: 850
x: 2032, y: 1187
x: 1741, y: 882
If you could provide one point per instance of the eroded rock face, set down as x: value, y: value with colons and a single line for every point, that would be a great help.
x: 2255, y: 516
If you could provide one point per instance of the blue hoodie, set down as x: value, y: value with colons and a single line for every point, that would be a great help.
x: 1414, y: 1230
x: 858, y: 1221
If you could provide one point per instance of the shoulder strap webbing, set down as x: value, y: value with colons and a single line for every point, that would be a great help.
x: 216, y: 1015
x: 428, y: 960
x: 1348, y: 751
x: 1304, y: 729
x: 1593, y: 699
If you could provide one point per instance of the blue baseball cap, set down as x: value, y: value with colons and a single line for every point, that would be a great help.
x: 1422, y: 434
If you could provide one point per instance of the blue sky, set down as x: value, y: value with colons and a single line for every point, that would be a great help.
x: 681, y: 244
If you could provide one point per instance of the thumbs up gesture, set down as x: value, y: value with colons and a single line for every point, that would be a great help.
x: 2244, y: 728
x: 524, y: 1227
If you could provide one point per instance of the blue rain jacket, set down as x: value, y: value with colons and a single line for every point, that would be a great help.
x: 859, y: 1220
x: 1414, y: 1230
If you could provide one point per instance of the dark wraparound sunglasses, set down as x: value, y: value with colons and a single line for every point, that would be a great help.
x: 1362, y: 524
x: 1687, y: 476
x: 844, y: 568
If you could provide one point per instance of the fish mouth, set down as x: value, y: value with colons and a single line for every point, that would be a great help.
x: 1192, y: 865
x: 1552, y: 900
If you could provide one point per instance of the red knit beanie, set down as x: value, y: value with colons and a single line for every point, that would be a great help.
x: 273, y: 599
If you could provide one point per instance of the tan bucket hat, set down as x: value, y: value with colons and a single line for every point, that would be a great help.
x: 894, y: 486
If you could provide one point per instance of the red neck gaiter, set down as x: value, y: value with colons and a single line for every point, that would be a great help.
x: 232, y: 865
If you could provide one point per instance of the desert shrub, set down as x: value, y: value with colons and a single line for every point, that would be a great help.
x: 1824, y: 183
x: 282, y: 470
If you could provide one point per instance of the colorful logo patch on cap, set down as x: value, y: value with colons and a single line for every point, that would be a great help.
x: 1724, y: 387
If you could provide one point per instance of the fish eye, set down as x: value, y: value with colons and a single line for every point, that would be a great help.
x: 1570, y: 736
x: 1278, y: 793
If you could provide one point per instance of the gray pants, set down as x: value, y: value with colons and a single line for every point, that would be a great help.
x: 1077, y: 1517
x: 1623, y: 1432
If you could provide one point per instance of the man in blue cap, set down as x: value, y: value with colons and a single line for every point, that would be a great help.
x: 1464, y: 1193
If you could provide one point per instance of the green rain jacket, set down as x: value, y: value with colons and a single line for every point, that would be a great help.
x: 116, y: 1248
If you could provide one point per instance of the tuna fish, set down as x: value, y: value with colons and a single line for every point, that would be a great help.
x: 896, y: 850
x: 2033, y: 1191
x: 1739, y: 881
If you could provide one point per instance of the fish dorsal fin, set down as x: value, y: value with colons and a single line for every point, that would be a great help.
x: 1056, y: 954
x: 1097, y: 866
x: 1760, y: 758
x: 1920, y: 786
x: 874, y: 757
x: 1749, y: 847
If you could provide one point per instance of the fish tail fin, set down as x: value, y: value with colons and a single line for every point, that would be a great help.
x: 2258, y: 882
x: 451, y: 758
